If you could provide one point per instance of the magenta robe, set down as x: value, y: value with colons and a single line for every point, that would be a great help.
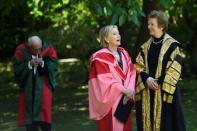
x: 105, y: 85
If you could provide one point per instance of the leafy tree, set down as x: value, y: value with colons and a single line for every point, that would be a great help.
x: 72, y: 25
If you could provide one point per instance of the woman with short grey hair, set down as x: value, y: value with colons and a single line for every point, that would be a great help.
x: 158, y: 65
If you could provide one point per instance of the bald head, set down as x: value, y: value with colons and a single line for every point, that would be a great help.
x: 35, y: 44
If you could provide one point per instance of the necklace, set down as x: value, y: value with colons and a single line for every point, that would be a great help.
x: 157, y: 41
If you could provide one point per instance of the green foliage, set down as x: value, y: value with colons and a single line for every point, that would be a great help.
x: 72, y: 25
x: 72, y: 32
x: 183, y: 27
x: 16, y: 25
x: 118, y: 11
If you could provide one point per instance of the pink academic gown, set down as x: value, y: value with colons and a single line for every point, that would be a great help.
x: 105, y: 85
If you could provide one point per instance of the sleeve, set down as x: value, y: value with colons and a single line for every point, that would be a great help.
x: 131, y: 76
x: 140, y: 62
x: 20, y: 68
x: 42, y: 64
x: 141, y: 71
x: 173, y: 72
x: 144, y: 76
x: 30, y: 66
x: 50, y: 65
x: 103, y: 89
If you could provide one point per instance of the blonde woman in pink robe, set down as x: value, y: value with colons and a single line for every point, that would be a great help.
x: 111, y: 77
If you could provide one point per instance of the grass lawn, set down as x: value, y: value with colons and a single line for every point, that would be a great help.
x: 70, y: 101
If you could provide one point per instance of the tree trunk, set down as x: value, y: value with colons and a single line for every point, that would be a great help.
x: 192, y: 46
x: 148, y: 6
x: 126, y: 33
x: 194, y: 53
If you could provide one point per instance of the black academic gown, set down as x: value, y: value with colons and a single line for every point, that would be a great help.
x: 171, y: 113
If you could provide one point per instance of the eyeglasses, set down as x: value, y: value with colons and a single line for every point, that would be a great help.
x: 36, y: 51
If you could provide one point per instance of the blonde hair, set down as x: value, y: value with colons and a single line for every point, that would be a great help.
x: 104, y: 32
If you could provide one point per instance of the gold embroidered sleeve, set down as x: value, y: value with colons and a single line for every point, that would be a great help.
x: 139, y: 66
x: 173, y: 72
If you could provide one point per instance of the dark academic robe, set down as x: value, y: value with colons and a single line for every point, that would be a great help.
x: 35, y: 99
x: 159, y: 110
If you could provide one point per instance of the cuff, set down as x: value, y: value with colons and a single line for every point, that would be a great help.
x: 29, y: 65
x: 160, y: 80
x: 144, y: 77
x: 42, y: 64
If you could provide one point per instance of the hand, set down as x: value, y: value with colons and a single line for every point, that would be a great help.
x: 39, y: 60
x: 129, y: 93
x: 126, y: 99
x: 34, y: 63
x: 152, y: 83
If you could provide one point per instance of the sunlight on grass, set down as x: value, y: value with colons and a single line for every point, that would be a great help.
x: 69, y: 60
x: 9, y: 126
x: 80, y: 93
x: 5, y: 67
x: 86, y: 123
x: 6, y: 114
x: 84, y: 87
x: 62, y: 107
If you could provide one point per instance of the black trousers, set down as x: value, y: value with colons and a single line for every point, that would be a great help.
x: 36, y: 125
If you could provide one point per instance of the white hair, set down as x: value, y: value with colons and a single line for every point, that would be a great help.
x: 34, y: 40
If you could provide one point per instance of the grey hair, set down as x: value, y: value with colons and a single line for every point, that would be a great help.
x: 34, y: 40
x: 104, y: 32
x: 161, y: 17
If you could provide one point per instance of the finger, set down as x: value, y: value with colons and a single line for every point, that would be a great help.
x: 151, y: 81
x: 152, y: 86
x: 125, y: 100
x: 155, y: 85
x: 149, y: 86
x: 133, y: 97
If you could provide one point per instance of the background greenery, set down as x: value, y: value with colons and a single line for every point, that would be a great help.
x: 72, y: 27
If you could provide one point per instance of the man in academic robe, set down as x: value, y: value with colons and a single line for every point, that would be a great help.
x: 35, y: 67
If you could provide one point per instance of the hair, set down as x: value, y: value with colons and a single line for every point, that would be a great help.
x: 161, y: 17
x: 34, y: 40
x: 104, y: 32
